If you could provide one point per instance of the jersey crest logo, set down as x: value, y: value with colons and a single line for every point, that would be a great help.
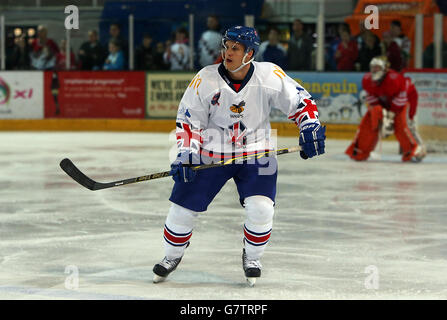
x: 215, y: 99
x: 238, y: 108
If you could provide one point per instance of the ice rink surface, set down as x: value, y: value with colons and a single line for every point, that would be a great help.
x: 342, y: 229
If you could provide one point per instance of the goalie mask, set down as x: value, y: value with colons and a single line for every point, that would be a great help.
x: 378, y: 67
x: 246, y: 36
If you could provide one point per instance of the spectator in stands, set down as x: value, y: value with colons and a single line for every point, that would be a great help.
x: 115, y: 35
x: 347, y: 51
x: 210, y: 42
x: 61, y: 57
x: 429, y: 55
x: 42, y: 40
x: 299, y: 48
x: 115, y: 59
x: 43, y: 59
x: 91, y: 53
x: 145, y: 54
x: 44, y: 50
x: 333, y: 35
x: 402, y: 41
x: 332, y: 39
x: 159, y: 62
x: 21, y: 54
x: 391, y: 50
x: 360, y: 37
x: 272, y: 50
x: 177, y: 55
x: 10, y: 47
x: 370, y: 49
x: 363, y: 33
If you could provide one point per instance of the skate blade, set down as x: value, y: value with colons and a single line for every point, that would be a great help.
x: 158, y: 279
x: 251, y: 281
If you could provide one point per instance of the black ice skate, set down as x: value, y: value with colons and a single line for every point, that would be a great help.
x: 164, y: 268
x: 252, y: 269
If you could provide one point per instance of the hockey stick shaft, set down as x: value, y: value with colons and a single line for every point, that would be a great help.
x: 69, y: 168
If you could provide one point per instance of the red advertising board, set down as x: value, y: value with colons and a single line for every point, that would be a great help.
x: 94, y: 94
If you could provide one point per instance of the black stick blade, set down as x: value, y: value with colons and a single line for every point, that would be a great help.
x: 77, y: 175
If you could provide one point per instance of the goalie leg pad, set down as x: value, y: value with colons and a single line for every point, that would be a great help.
x: 367, y: 134
x: 258, y: 225
x: 402, y: 131
x: 412, y: 96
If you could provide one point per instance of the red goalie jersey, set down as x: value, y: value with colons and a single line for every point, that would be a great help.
x: 391, y: 93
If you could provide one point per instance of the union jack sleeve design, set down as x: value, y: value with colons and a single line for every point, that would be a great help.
x: 306, y: 112
x: 176, y: 239
x: 256, y: 239
x: 188, y: 137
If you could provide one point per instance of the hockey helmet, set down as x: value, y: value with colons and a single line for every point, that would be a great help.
x: 378, y: 67
x: 244, y: 35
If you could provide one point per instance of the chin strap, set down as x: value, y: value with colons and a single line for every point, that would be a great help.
x: 241, y: 66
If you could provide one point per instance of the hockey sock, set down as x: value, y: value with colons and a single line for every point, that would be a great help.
x: 258, y: 225
x: 178, y: 230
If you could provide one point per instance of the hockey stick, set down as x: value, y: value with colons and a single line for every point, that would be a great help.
x: 68, y: 166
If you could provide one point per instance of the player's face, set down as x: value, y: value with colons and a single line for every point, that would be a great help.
x: 377, y: 72
x: 375, y: 69
x: 233, y: 54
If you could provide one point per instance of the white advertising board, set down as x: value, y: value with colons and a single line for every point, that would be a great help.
x: 21, y: 95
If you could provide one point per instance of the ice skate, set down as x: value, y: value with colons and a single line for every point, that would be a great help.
x: 252, y: 269
x: 164, y: 268
x: 418, y: 154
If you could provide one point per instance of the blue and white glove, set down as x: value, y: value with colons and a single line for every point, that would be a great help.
x: 181, y: 170
x: 312, y: 138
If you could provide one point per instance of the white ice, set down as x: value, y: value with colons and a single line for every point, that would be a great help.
x: 342, y: 229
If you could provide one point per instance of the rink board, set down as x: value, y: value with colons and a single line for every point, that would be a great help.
x: 21, y: 95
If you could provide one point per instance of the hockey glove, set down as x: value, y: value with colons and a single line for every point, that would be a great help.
x: 181, y: 169
x: 312, y: 138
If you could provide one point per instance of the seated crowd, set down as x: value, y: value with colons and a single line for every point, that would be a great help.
x: 343, y: 51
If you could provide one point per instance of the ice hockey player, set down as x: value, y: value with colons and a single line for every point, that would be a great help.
x: 225, y: 113
x: 390, y: 99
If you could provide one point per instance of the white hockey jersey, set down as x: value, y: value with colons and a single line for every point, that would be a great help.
x: 179, y: 57
x: 210, y: 44
x: 213, y: 116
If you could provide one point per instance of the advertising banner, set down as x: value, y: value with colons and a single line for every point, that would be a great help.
x: 339, y: 96
x: 94, y: 94
x: 21, y: 95
x: 432, y: 97
x: 164, y: 92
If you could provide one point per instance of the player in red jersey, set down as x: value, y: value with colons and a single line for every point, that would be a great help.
x: 390, y: 97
